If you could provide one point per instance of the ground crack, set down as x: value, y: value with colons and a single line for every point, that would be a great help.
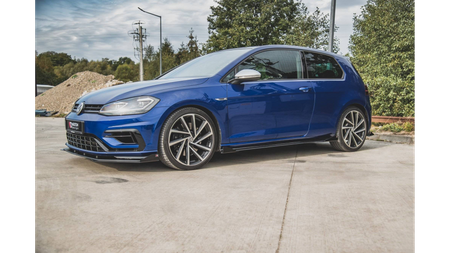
x: 287, y: 201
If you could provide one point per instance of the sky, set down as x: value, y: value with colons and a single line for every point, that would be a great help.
x: 96, y: 29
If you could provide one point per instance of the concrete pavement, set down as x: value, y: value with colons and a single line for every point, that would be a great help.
x: 304, y: 198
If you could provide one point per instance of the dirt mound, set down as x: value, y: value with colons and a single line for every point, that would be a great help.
x: 61, y: 97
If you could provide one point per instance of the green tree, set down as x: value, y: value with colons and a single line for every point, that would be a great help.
x: 151, y: 63
x: 44, y: 70
x: 151, y: 70
x: 63, y: 72
x: 192, y: 46
x: 101, y: 67
x: 189, y: 51
x: 149, y: 53
x: 382, y: 49
x: 58, y: 59
x: 126, y: 73
x: 311, y: 30
x: 240, y: 23
x: 182, y: 55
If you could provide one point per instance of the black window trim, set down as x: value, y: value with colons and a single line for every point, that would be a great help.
x: 305, y: 76
x: 265, y: 50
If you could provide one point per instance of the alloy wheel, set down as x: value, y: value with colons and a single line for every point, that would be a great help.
x: 191, y: 139
x: 354, y: 129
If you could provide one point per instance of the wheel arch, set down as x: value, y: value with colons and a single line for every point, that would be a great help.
x: 359, y: 106
x: 211, y: 112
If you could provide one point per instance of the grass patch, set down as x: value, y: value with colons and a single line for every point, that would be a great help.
x: 393, y: 127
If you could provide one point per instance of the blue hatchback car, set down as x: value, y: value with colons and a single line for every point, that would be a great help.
x: 227, y: 101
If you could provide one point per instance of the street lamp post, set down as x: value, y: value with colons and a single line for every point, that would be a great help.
x: 160, y: 38
x: 332, y: 17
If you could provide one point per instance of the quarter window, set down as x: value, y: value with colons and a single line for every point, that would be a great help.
x: 322, y: 66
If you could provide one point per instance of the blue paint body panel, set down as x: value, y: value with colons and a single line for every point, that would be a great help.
x: 252, y: 112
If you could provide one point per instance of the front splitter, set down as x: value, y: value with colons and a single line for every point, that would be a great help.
x: 113, y: 158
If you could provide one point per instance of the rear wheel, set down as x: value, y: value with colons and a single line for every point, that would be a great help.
x: 351, y: 130
x: 188, y: 139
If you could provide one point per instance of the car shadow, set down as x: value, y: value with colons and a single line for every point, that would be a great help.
x: 266, y: 155
x: 247, y: 157
x: 293, y: 153
x: 139, y: 167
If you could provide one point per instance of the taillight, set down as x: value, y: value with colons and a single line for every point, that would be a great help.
x: 366, y: 89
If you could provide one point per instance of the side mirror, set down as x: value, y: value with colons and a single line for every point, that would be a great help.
x: 246, y: 75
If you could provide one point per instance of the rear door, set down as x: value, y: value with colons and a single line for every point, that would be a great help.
x: 279, y: 105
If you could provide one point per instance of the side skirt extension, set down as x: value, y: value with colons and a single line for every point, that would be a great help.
x: 231, y: 148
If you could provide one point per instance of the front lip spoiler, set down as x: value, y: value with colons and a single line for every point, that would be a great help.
x: 114, y: 158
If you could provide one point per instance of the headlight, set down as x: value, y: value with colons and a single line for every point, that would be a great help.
x: 136, y: 105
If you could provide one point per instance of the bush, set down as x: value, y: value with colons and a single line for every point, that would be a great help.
x: 382, y: 49
x: 391, y: 96
x: 395, y: 127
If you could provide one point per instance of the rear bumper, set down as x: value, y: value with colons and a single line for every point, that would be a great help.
x: 115, y: 157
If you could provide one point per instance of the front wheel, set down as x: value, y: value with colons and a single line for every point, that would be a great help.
x: 188, y: 139
x: 351, y: 130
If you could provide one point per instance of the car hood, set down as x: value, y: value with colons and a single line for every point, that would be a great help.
x: 128, y: 90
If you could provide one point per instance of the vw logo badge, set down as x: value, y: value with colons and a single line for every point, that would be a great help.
x: 80, y: 108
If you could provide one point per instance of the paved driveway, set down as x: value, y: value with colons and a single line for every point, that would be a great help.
x: 304, y: 198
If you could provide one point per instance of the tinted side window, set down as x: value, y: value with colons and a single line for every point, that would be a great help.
x: 275, y: 64
x: 322, y: 66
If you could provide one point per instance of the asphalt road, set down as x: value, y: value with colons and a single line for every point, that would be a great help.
x: 304, y: 198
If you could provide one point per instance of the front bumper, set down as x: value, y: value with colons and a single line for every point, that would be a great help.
x: 126, y: 139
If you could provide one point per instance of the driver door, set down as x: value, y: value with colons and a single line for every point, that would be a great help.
x: 279, y: 105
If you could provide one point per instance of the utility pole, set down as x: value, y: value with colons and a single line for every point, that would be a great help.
x: 332, y: 17
x: 141, y: 55
x: 138, y: 36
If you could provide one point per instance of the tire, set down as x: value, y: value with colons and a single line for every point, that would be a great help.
x: 351, y: 130
x: 188, y: 139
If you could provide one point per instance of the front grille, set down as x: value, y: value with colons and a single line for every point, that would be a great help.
x: 85, y: 142
x: 88, y: 108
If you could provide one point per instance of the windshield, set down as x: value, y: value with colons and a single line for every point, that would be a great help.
x: 207, y: 65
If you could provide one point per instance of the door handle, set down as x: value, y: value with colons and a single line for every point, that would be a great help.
x: 304, y: 89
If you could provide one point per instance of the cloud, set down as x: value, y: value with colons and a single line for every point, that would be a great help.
x: 99, y: 29
x: 96, y: 29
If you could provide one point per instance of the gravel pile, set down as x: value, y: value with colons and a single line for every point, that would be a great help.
x: 61, y: 97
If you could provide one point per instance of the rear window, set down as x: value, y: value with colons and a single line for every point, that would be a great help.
x: 321, y: 66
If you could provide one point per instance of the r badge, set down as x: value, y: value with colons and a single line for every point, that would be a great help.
x: 74, y: 125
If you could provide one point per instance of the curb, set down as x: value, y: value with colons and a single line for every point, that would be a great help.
x: 403, y: 139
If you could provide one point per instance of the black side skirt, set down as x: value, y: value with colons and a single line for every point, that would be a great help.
x: 237, y: 147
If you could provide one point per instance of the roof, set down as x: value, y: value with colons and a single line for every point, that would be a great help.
x: 256, y: 48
